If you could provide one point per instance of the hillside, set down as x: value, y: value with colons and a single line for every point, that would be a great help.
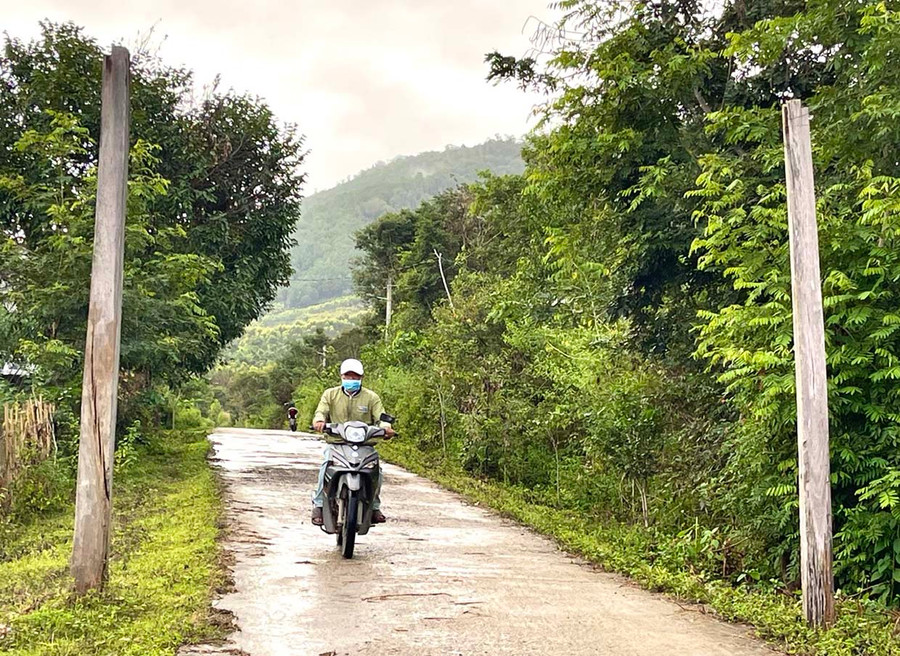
x: 325, y: 232
x: 269, y: 338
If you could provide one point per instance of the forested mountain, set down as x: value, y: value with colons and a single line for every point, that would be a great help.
x: 329, y: 218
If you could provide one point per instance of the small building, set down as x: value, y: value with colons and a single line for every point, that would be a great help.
x: 13, y: 373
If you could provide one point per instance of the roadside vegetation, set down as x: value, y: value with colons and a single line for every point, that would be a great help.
x: 202, y: 260
x: 681, y: 564
x: 164, y: 565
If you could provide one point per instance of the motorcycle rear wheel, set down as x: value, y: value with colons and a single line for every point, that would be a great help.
x: 348, y: 530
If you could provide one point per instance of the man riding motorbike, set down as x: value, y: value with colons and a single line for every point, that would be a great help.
x: 292, y: 415
x: 349, y: 401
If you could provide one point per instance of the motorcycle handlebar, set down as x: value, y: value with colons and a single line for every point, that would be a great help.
x: 328, y: 430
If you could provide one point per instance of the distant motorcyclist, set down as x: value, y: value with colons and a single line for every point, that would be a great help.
x: 349, y: 401
x: 292, y: 415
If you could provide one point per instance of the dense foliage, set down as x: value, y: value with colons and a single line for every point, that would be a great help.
x: 213, y: 196
x: 214, y: 193
x: 617, y: 334
x: 324, y: 250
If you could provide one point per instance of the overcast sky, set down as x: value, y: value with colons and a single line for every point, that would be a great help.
x: 365, y: 80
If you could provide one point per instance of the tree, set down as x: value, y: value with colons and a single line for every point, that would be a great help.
x: 648, y: 243
x: 855, y: 137
x: 382, y: 243
x: 214, y: 194
x: 231, y: 171
x: 46, y: 272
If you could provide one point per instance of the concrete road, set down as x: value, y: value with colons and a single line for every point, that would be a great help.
x: 441, y: 577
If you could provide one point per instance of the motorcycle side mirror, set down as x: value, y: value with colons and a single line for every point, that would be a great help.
x: 385, y: 417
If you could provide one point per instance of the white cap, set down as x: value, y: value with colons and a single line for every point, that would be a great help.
x: 351, y: 365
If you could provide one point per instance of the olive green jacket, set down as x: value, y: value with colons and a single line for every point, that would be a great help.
x: 336, y: 407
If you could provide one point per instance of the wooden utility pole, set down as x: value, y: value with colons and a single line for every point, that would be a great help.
x: 93, y: 501
x: 440, y: 261
x: 809, y: 354
x: 389, y: 303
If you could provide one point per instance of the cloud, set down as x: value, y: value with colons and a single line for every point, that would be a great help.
x: 365, y: 80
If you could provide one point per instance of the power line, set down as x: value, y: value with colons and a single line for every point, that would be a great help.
x: 319, y: 279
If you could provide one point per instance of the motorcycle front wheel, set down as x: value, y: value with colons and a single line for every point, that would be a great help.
x: 348, y: 530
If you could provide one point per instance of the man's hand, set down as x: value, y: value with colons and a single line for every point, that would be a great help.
x: 389, y: 433
x: 319, y: 426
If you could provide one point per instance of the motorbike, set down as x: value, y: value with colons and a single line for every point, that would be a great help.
x: 292, y: 418
x: 350, y: 481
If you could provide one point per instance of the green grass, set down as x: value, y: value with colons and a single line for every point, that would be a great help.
x: 862, y: 628
x: 162, y: 573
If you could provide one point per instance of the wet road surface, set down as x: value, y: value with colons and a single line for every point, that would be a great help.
x: 441, y: 577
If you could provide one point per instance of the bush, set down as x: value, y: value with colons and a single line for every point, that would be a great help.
x: 189, y: 416
x: 41, y: 488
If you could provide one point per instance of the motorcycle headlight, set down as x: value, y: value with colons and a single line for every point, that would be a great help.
x: 355, y: 434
